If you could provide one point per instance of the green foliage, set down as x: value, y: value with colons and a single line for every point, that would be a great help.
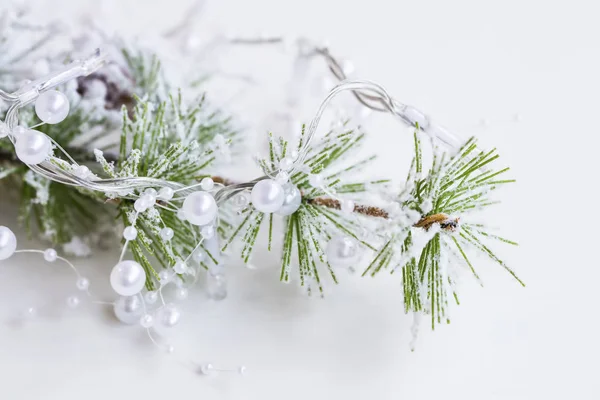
x: 308, y: 230
x: 453, y: 186
x: 167, y: 142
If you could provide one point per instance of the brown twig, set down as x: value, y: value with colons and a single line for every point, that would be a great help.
x: 371, y: 211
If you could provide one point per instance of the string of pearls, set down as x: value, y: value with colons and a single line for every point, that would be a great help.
x: 131, y: 307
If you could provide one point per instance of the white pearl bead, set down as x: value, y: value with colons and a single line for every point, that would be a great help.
x: 267, y: 196
x: 151, y: 297
x: 52, y: 107
x: 181, y: 215
x: 166, y: 318
x: 242, y: 370
x: 347, y: 206
x: 50, y: 255
x: 291, y: 201
x: 182, y: 293
x: 147, y: 321
x: 151, y: 192
x: 240, y: 201
x: 81, y: 171
x: 128, y: 309
x: 127, y: 278
x: 282, y: 178
x: 180, y: 267
x: 166, y: 193
x: 33, y: 147
x: 200, y: 208
x: 166, y: 234
x: 164, y: 276
x: 82, y: 284
x: 216, y: 286
x: 207, y: 231
x: 206, y: 369
x: 342, y: 251
x: 198, y: 256
x: 207, y: 184
x: 8, y: 243
x: 145, y: 201
x: 286, y: 163
x: 72, y: 301
x: 130, y: 233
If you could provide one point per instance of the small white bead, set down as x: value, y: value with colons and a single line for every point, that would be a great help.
x: 166, y: 193
x: 81, y: 171
x: 206, y: 369
x: 242, y: 370
x: 167, y: 233
x: 170, y: 349
x: 240, y: 201
x: 33, y: 147
x: 146, y: 321
x: 72, y: 301
x: 286, y: 164
x: 207, y: 231
x: 83, y: 284
x: 130, y: 233
x: 182, y: 293
x: 8, y: 243
x: 180, y: 267
x: 267, y: 196
x: 52, y: 107
x: 164, y: 276
x: 50, y: 255
x: 30, y: 312
x: 151, y: 191
x: 207, y: 184
x: 198, y: 256
x: 347, y: 206
x: 181, y: 215
x: 282, y: 178
x: 151, y: 297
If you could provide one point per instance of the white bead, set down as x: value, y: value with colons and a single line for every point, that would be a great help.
x: 52, y: 107
x: 347, y: 206
x: 127, y: 278
x: 240, y: 201
x: 144, y: 202
x: 166, y: 193
x: 128, y: 309
x: 200, y: 208
x: 316, y: 180
x: 130, y: 233
x: 282, y: 178
x: 146, y: 321
x: 50, y: 255
x: 167, y: 233
x: 8, y: 243
x: 180, y: 267
x: 267, y: 196
x: 342, y: 251
x: 4, y: 131
x: 198, y: 256
x: 72, y: 301
x: 207, y: 184
x: 151, y: 297
x: 286, y: 164
x: 164, y: 276
x: 30, y: 312
x: 207, y: 231
x: 82, y: 284
x: 151, y: 192
x: 242, y: 370
x: 291, y: 201
x: 181, y: 215
x: 170, y: 348
x: 32, y: 147
x: 166, y: 318
x: 182, y: 293
x: 207, y: 369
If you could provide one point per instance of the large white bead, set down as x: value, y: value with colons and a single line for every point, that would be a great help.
x: 200, y: 208
x: 52, y: 107
x: 267, y: 196
x: 8, y: 243
x: 128, y: 309
x: 127, y: 278
x: 166, y: 318
x: 342, y: 251
x: 32, y: 147
x: 291, y: 201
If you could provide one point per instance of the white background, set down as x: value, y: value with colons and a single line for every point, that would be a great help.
x: 460, y: 61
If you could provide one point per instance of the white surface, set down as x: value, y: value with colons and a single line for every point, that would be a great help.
x: 460, y: 61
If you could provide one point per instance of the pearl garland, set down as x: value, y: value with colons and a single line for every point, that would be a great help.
x: 127, y: 278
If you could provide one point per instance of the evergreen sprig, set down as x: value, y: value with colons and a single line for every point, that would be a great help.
x: 432, y: 208
x: 311, y: 227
